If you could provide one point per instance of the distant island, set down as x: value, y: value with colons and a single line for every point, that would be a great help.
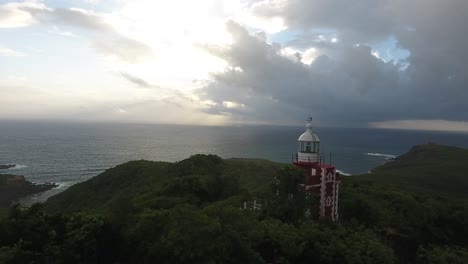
x: 412, y: 209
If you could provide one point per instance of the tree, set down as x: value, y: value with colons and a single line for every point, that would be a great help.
x: 441, y: 255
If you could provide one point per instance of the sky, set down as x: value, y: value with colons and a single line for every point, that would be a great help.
x: 364, y: 63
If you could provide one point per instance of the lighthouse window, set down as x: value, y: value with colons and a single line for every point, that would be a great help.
x: 329, y: 177
x: 309, y: 147
x: 303, y: 147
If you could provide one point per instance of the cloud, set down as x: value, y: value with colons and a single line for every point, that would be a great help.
x: 80, y: 18
x: 121, y: 111
x: 345, y: 84
x: 327, y: 63
x: 126, y: 49
x: 21, y: 14
x: 351, y: 87
x: 56, y: 30
x: 139, y: 82
x: 27, y: 13
x: 357, y: 21
x: 10, y: 53
x: 433, y: 31
x: 110, y: 41
x: 438, y: 125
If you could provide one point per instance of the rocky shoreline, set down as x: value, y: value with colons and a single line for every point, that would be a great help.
x: 14, y: 187
x: 7, y: 166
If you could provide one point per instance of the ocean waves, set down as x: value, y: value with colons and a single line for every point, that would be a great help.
x: 386, y: 156
x: 343, y: 173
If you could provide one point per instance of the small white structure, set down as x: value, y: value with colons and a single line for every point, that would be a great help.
x: 308, y: 146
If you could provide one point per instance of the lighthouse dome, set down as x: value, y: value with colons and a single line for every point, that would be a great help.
x: 309, y: 136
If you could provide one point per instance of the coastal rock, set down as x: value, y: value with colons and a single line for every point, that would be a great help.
x: 14, y: 187
x: 7, y: 166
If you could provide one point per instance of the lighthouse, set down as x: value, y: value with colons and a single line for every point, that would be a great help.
x: 320, y: 177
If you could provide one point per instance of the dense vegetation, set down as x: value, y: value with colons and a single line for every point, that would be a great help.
x: 427, y: 168
x: 189, y: 212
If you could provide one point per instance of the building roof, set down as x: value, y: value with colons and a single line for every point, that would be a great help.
x: 308, y: 135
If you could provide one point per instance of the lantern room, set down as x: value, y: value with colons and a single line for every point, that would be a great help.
x: 308, y: 145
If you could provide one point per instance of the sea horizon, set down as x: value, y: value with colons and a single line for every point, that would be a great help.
x: 69, y: 152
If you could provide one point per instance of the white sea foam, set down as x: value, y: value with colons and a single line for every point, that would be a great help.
x: 42, y: 197
x: 18, y: 167
x: 386, y: 156
x: 61, y: 185
x: 343, y: 173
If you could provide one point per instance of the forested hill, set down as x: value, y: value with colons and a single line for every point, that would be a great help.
x: 201, y: 179
x: 427, y: 168
x: 189, y: 212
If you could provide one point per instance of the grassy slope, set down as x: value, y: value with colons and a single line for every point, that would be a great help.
x: 425, y: 168
x: 142, y: 180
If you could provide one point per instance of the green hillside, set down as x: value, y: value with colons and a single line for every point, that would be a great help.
x: 426, y: 168
x: 189, y: 212
x: 145, y: 182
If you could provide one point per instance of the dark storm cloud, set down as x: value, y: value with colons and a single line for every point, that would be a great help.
x: 433, y: 31
x: 360, y: 20
x: 269, y: 84
x: 346, y: 84
x: 437, y: 40
x: 353, y: 87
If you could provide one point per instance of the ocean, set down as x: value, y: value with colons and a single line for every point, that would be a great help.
x: 68, y: 153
